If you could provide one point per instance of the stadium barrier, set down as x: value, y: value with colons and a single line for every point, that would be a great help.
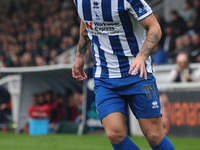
x: 181, y: 112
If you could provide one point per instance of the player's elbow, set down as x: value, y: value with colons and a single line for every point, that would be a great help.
x: 155, y: 28
x: 159, y: 31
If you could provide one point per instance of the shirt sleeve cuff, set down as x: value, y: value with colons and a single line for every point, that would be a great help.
x: 145, y: 15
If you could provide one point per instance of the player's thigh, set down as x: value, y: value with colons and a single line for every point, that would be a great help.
x: 108, y: 101
x: 111, y: 108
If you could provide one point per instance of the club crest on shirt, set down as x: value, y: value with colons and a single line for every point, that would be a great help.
x: 96, y: 15
x: 141, y: 10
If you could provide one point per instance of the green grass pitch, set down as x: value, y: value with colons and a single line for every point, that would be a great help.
x: 11, y: 141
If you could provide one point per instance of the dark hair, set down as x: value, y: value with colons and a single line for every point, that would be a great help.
x: 190, y: 2
x: 174, y: 12
x: 58, y: 95
x: 169, y: 24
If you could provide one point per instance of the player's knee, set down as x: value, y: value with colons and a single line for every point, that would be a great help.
x: 116, y: 135
x: 153, y: 138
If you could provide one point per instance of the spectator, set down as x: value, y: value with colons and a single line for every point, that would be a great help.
x: 46, y: 52
x: 39, y: 109
x: 178, y: 23
x: 27, y: 60
x: 197, y: 5
x: 79, y: 98
x: 198, y: 59
x: 53, y: 54
x: 196, y: 22
x: 183, y: 73
x: 40, y: 61
x: 34, y: 99
x: 188, y: 13
x: 187, y: 44
x: 15, y: 61
x: 48, y: 97
x: 75, y: 33
x: 57, y: 109
x: 71, y: 108
x: 53, y: 62
x: 178, y: 48
x: 195, y: 53
x: 57, y: 112
x: 169, y: 39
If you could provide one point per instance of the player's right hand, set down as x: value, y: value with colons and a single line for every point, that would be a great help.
x: 78, y: 68
x: 138, y: 64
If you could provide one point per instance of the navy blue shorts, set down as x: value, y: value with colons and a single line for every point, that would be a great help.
x: 114, y: 95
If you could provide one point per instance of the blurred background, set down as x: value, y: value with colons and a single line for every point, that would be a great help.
x: 38, y: 33
x: 38, y: 40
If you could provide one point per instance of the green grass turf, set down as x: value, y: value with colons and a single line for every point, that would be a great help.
x: 10, y: 141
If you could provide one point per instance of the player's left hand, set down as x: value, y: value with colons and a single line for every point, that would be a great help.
x: 78, y: 68
x: 138, y: 64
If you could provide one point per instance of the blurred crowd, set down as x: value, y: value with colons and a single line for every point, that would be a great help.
x: 33, y: 33
x: 56, y: 107
x: 180, y: 34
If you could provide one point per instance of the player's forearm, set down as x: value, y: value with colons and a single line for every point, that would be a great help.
x: 84, y: 41
x: 152, y: 39
x: 150, y: 43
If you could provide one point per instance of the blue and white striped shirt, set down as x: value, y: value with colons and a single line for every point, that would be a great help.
x: 116, y: 34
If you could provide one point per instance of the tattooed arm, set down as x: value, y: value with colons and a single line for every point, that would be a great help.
x: 83, y: 44
x: 84, y: 41
x: 153, y: 36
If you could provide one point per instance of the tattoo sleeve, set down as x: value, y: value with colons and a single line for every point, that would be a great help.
x: 150, y: 43
x: 84, y: 42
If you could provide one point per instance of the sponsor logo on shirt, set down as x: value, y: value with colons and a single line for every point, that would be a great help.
x: 89, y: 25
x: 102, y: 28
